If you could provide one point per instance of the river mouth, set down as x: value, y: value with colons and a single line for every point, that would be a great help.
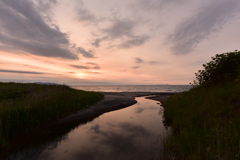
x: 130, y: 133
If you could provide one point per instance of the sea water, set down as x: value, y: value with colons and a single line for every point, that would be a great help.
x: 134, y: 88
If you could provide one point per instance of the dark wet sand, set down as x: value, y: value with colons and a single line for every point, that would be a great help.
x: 112, y: 101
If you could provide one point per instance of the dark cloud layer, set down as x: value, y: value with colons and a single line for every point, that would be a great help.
x: 123, y: 30
x: 158, y: 5
x: 45, y: 7
x: 23, y: 28
x: 135, y: 41
x: 120, y: 28
x: 25, y: 72
x: 86, y: 54
x: 80, y: 67
x: 135, y: 67
x: 86, y: 67
x: 86, y: 16
x: 153, y: 62
x: 139, y: 60
x: 97, y: 41
x: 210, y: 19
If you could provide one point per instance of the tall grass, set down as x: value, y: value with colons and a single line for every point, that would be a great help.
x: 205, y: 123
x: 26, y: 107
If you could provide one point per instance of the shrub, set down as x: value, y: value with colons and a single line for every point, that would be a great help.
x: 222, y: 68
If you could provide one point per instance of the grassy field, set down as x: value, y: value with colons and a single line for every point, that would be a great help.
x: 205, y: 123
x: 27, y: 107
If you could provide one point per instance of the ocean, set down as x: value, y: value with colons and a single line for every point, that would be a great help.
x: 134, y: 88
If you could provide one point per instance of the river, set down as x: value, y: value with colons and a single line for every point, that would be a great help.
x: 132, y: 133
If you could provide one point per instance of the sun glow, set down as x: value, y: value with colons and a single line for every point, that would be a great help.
x: 80, y: 75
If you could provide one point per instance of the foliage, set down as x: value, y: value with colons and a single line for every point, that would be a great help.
x: 26, y: 107
x: 222, y: 68
x: 205, y: 123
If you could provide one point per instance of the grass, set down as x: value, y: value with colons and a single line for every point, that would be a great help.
x: 27, y: 107
x: 205, y: 123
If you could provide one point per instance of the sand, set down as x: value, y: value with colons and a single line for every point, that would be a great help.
x: 112, y: 101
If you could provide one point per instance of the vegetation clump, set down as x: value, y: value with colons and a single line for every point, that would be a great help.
x: 222, y: 68
x: 205, y: 121
x: 26, y: 107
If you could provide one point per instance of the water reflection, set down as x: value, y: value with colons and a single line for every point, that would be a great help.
x: 130, y: 133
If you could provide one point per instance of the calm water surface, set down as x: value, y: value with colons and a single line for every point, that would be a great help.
x: 134, y: 88
x: 132, y: 133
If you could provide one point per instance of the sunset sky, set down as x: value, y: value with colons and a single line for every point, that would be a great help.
x: 113, y: 41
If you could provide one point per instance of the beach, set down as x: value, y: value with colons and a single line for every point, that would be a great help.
x: 111, y: 101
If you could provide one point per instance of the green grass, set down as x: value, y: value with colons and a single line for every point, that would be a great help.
x: 27, y: 107
x: 205, y: 123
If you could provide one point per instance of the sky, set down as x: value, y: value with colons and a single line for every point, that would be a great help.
x: 112, y: 42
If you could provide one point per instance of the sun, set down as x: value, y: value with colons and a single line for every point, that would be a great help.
x: 80, y: 75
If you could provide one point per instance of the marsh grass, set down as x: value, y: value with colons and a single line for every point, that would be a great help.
x: 205, y: 123
x: 26, y: 107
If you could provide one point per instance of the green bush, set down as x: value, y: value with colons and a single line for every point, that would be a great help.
x: 222, y: 68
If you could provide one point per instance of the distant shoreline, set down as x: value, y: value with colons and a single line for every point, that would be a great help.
x: 133, y: 88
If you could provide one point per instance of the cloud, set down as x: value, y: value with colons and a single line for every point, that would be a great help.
x: 45, y: 7
x: 80, y: 67
x: 120, y: 28
x: 94, y: 65
x: 23, y: 28
x: 153, y: 62
x: 135, y: 67
x: 159, y: 5
x: 210, y: 19
x: 123, y: 31
x: 135, y: 41
x: 91, y: 63
x: 86, y: 67
x: 97, y: 41
x: 86, y: 16
x: 86, y: 54
x: 138, y: 60
x: 15, y: 71
x: 94, y: 72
